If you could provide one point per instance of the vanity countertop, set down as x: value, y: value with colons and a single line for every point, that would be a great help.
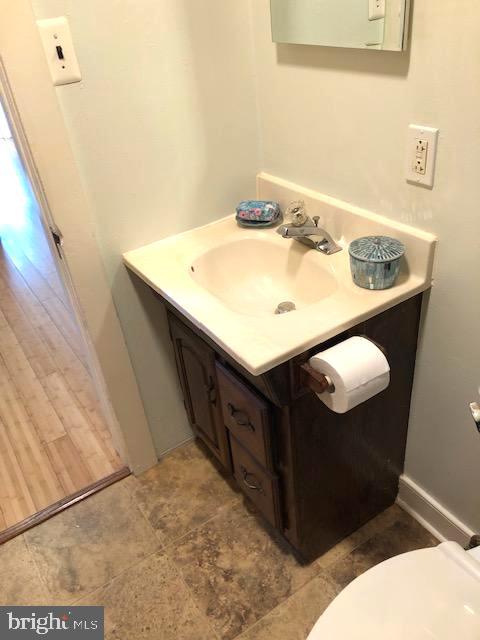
x: 228, y: 280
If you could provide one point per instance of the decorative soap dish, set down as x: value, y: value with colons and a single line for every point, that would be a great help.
x: 258, y: 214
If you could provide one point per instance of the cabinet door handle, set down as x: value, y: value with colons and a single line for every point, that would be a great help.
x: 211, y: 391
x: 240, y: 417
x: 251, y: 481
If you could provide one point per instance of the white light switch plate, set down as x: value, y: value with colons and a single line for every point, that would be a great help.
x: 376, y: 9
x: 421, y: 155
x: 58, y: 46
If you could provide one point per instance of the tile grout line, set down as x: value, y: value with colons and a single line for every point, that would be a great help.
x: 108, y: 582
x: 161, y: 548
x: 220, y: 511
x: 358, y: 543
x: 318, y: 571
x: 139, y: 509
x: 280, y: 604
x: 114, y: 578
x: 37, y: 568
x: 72, y: 602
x: 129, y: 568
x: 322, y: 572
x: 168, y: 549
x: 192, y: 597
x: 293, y: 593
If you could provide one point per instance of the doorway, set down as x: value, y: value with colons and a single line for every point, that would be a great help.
x: 55, y: 442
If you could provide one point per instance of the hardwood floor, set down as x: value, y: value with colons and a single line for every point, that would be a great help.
x: 54, y: 441
x: 53, y: 438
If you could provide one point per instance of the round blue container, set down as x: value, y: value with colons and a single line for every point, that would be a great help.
x: 375, y: 261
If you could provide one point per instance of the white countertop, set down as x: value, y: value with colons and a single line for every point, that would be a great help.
x: 259, y: 342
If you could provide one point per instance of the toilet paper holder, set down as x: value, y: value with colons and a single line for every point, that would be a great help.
x: 319, y: 382
x: 314, y: 380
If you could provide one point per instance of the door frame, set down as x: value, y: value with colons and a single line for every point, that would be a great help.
x: 31, y: 105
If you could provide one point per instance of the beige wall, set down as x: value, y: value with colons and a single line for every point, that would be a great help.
x: 163, y: 127
x: 336, y: 121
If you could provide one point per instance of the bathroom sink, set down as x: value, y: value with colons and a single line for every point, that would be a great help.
x: 253, y: 276
x: 228, y: 280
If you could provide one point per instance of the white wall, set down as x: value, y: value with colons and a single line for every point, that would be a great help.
x: 163, y: 129
x: 336, y: 121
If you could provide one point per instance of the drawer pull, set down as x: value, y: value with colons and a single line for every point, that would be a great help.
x: 211, y: 391
x: 251, y: 481
x: 241, y: 418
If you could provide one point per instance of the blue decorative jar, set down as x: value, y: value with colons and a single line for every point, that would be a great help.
x: 375, y: 261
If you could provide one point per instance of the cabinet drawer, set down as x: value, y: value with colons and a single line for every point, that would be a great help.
x: 259, y: 485
x: 246, y: 415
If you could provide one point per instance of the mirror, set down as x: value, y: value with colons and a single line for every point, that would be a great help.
x: 358, y: 24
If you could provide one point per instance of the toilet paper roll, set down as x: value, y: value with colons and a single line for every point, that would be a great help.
x: 358, y: 369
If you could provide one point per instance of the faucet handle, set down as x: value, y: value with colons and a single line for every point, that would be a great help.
x: 298, y: 213
x: 316, y: 220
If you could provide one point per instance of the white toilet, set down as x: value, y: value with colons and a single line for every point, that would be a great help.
x: 430, y: 594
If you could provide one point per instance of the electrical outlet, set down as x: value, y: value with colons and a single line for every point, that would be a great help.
x: 58, y: 46
x: 421, y: 155
x: 376, y: 9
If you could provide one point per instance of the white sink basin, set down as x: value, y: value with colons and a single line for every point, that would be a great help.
x: 254, y: 275
x: 228, y: 280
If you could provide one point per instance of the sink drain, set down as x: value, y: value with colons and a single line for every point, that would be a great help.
x: 285, y: 307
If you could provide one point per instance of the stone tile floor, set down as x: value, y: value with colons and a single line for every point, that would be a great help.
x: 176, y: 555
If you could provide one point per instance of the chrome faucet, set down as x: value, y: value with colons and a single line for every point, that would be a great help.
x: 306, y: 230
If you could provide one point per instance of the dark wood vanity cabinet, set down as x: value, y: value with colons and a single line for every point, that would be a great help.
x: 196, y: 369
x: 314, y: 475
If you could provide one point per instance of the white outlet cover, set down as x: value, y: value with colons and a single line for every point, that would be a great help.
x: 55, y: 32
x: 430, y: 135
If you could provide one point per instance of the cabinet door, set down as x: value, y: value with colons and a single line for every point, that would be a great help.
x: 196, y: 368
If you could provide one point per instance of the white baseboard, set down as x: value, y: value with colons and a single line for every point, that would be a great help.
x: 431, y: 514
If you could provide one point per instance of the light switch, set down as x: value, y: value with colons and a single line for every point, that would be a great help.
x: 58, y: 46
x: 376, y: 9
x: 421, y: 155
